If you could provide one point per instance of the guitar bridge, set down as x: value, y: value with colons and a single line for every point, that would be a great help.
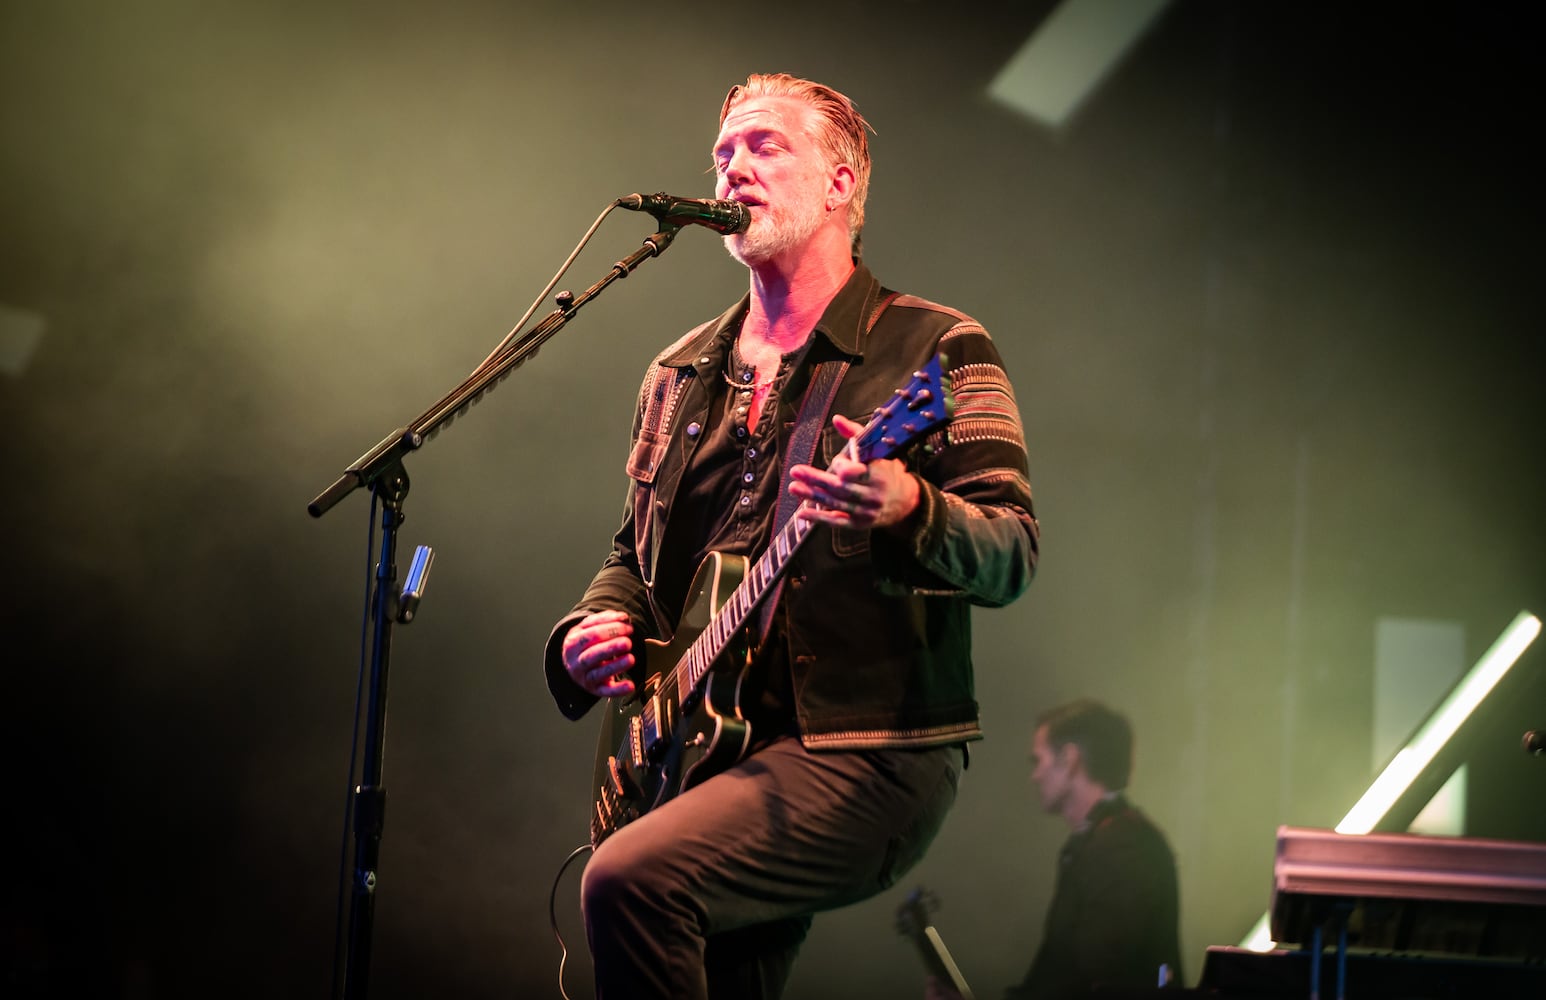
x: 636, y: 747
x: 617, y: 804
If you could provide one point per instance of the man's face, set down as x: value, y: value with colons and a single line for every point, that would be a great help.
x: 766, y: 157
x: 1052, y: 771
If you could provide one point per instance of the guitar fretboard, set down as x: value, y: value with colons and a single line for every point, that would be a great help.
x: 712, y: 641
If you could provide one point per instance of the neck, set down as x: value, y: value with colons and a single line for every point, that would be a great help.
x: 1081, y: 802
x: 789, y: 294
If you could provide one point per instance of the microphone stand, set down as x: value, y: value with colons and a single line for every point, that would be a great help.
x: 381, y: 471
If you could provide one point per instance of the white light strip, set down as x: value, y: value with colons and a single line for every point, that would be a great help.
x: 1419, y: 752
x: 1068, y: 56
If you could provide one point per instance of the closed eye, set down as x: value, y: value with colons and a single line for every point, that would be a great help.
x: 759, y: 144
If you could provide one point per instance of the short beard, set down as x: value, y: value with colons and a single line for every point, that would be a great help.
x: 779, y: 232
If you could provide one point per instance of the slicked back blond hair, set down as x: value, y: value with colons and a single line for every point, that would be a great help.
x: 840, y: 130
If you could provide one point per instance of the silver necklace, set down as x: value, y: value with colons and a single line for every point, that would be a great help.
x: 747, y: 376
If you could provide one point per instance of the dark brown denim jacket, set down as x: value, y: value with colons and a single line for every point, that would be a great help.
x: 877, y: 625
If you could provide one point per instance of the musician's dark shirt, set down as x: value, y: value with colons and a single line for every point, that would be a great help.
x: 1114, y: 918
x: 730, y: 496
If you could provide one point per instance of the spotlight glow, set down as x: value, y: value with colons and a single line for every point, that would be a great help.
x: 1420, y: 750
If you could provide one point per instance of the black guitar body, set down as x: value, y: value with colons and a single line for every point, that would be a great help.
x: 663, y: 741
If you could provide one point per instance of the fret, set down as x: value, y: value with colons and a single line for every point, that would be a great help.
x: 873, y: 442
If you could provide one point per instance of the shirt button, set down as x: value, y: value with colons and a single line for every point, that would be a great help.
x: 747, y: 478
x: 746, y: 501
x: 751, y: 452
x: 740, y: 432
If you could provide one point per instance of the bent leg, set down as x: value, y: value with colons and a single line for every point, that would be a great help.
x: 781, y: 835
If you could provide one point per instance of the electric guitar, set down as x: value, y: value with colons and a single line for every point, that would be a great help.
x: 913, y: 921
x: 684, y: 724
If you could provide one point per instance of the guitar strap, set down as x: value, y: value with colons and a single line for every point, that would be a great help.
x: 808, y: 426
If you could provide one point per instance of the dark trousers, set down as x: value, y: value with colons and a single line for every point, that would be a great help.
x: 710, y: 894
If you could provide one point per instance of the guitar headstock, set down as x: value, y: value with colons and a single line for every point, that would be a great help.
x: 913, y: 411
x: 915, y: 912
x: 913, y: 921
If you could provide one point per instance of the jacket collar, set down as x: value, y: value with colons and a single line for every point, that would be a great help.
x: 843, y: 323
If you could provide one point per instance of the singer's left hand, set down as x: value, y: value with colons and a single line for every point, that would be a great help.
x: 852, y: 494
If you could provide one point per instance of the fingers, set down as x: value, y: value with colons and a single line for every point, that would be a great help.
x: 847, y: 489
x: 844, y: 426
x: 598, y: 653
x: 854, y: 495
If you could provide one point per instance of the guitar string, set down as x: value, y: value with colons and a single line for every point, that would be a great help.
x: 690, y: 668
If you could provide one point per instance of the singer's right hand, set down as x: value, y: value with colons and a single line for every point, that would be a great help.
x: 598, y: 653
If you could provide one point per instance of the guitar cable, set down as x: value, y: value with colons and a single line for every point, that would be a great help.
x: 563, y: 949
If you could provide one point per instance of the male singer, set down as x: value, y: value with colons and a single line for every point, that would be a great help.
x: 860, y: 699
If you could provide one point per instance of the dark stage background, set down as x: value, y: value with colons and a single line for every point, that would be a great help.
x: 1268, y: 301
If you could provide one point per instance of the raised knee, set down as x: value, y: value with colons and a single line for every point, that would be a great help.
x: 604, y: 883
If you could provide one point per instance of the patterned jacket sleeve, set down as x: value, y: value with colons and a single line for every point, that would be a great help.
x: 975, y: 533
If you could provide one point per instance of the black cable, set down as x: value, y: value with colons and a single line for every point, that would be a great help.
x: 563, y: 269
x: 553, y: 914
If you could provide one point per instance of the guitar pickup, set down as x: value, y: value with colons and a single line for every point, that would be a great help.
x: 622, y: 785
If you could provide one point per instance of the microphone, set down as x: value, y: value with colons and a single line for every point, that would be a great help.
x: 1535, y: 742
x: 724, y: 217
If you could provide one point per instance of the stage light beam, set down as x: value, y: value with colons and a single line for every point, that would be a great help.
x: 1442, y: 724
x: 1067, y: 58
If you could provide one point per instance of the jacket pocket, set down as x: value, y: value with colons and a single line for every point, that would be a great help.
x: 645, y: 458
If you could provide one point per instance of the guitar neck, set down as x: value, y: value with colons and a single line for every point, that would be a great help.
x: 712, y: 641
x: 912, y: 919
x: 937, y: 959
